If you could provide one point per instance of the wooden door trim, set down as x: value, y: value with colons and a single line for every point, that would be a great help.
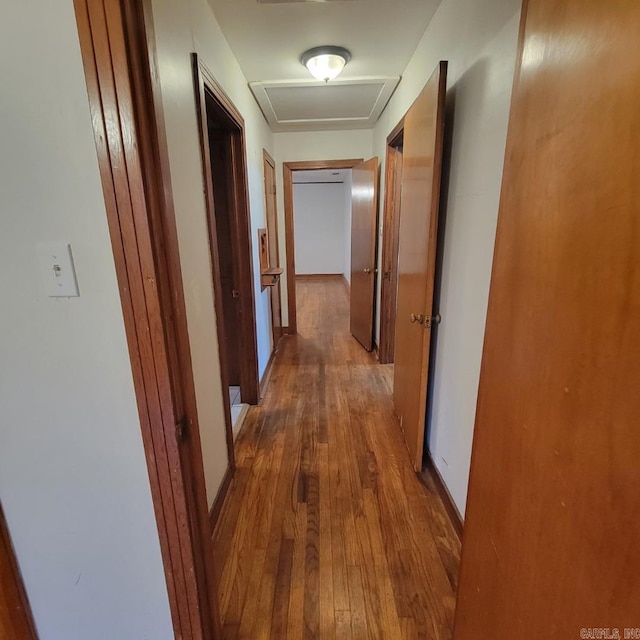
x: 395, y: 136
x: 206, y: 84
x: 275, y: 334
x: 119, y: 57
x: 267, y: 156
x: 390, y: 234
x: 288, y: 168
x: 13, y: 578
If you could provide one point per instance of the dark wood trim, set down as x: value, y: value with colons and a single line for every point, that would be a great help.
x: 273, y: 234
x: 214, y: 87
x: 266, y: 376
x: 213, y: 248
x: 12, y: 589
x: 288, y: 168
x: 432, y: 478
x: 395, y: 136
x: 221, y: 496
x: 119, y: 58
x: 207, y: 87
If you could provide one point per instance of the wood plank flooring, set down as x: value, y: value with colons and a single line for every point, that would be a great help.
x: 327, y: 532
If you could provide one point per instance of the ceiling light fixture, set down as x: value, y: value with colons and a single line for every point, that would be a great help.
x: 325, y: 63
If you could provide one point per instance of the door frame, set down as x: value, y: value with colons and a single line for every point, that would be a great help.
x: 390, y: 237
x: 267, y: 159
x: 288, y: 168
x: 207, y: 88
x: 21, y: 615
x: 119, y: 57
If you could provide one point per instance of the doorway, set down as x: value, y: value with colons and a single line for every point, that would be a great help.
x: 271, y: 211
x: 223, y: 150
x: 390, y: 244
x: 289, y: 169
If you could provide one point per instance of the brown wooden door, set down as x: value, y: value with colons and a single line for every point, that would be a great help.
x: 15, y: 613
x: 422, y: 160
x: 274, y: 251
x: 389, y: 282
x: 552, y: 535
x: 364, y: 224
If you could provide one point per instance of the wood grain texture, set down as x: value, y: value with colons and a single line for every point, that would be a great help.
x: 287, y: 170
x: 364, y: 236
x: 552, y: 528
x: 328, y: 532
x: 419, y: 210
x: 213, y: 104
x: 271, y: 207
x: 16, y: 620
x: 390, y: 244
x: 119, y: 62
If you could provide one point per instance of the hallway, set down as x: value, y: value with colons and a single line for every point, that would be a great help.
x: 327, y: 532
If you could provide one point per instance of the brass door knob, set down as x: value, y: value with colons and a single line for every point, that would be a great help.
x: 417, y: 318
x: 367, y: 270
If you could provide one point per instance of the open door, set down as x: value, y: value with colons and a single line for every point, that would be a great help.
x: 551, y: 535
x: 275, y: 296
x: 364, y: 224
x: 422, y: 160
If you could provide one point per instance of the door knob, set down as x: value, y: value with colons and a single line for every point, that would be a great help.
x: 417, y: 318
x: 367, y: 270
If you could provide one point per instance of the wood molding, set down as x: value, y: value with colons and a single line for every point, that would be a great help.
x: 266, y: 156
x: 395, y: 136
x: 207, y: 87
x: 221, y: 496
x: 288, y: 168
x: 16, y: 618
x: 118, y: 52
x: 431, y: 476
x: 346, y: 284
x: 220, y: 94
x: 266, y: 376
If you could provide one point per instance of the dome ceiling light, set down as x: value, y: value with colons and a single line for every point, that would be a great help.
x: 326, y: 62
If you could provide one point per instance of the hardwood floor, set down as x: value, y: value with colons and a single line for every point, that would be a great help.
x: 327, y: 532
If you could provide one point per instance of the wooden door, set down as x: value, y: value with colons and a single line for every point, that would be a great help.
x: 15, y: 613
x: 422, y: 161
x: 389, y: 286
x: 274, y: 251
x: 552, y: 535
x: 364, y: 225
x: 221, y: 174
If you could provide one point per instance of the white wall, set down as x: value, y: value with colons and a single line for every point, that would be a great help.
x: 73, y: 477
x: 320, y: 218
x: 180, y: 28
x: 479, y: 41
x: 313, y: 145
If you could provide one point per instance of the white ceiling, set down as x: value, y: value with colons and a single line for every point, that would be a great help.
x: 268, y: 38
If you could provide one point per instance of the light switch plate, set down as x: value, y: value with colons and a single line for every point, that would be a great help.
x: 57, y: 270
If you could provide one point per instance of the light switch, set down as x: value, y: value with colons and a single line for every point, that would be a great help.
x: 57, y: 270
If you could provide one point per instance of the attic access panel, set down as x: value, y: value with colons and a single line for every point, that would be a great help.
x: 316, y: 105
x: 294, y: 1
